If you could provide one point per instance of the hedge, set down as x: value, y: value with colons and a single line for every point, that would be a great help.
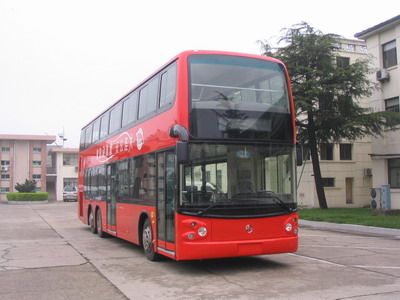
x: 38, y: 196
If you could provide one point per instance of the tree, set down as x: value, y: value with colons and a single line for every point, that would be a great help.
x: 29, y: 186
x: 326, y: 96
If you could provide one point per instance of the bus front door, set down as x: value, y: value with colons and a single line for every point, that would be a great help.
x: 111, y: 197
x: 166, y: 183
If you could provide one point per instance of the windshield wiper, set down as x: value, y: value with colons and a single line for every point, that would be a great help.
x: 276, y: 199
x: 201, y: 212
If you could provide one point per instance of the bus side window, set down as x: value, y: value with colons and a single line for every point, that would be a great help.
x: 168, y: 86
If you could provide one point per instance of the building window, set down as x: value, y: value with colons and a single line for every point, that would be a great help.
x: 5, y: 163
x: 5, y: 149
x: 5, y: 176
x: 363, y: 49
x: 389, y: 54
x: 328, y: 182
x: 326, y: 151
x: 36, y: 163
x: 342, y: 62
x: 70, y: 159
x: 345, y: 152
x: 36, y: 176
x: 392, y: 104
x: 4, y: 189
x: 394, y: 172
x: 37, y: 149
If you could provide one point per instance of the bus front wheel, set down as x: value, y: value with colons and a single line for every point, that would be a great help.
x: 147, y: 241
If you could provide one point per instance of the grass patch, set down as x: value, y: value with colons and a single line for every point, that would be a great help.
x: 359, y: 216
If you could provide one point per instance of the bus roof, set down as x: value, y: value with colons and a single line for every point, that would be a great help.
x: 183, y: 55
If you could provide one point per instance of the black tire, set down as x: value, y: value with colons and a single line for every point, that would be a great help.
x: 92, y: 222
x: 147, y: 242
x: 99, y: 224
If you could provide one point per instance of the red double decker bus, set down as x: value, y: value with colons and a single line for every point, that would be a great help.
x: 198, y: 161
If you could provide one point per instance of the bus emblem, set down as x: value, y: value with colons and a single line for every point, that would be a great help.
x: 248, y: 228
x: 139, y: 139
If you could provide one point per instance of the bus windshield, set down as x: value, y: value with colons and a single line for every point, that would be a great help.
x: 238, y: 180
x: 239, y: 97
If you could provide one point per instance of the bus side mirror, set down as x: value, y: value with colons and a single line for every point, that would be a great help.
x: 299, y: 155
x: 182, y: 152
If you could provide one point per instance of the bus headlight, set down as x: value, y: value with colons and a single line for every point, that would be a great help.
x: 288, y: 227
x: 202, y: 231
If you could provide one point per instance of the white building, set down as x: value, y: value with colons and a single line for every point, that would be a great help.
x: 382, y: 41
x: 345, y: 166
x: 62, y: 170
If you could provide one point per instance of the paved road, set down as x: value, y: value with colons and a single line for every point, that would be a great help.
x: 46, y: 253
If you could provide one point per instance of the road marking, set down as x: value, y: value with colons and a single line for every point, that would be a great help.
x: 375, y: 267
x: 318, y: 260
x: 350, y: 247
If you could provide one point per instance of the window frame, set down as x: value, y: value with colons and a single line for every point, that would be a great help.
x: 391, y: 168
x: 343, y: 154
x: 328, y: 182
x: 326, y: 153
x: 394, y: 108
x: 387, y: 55
x: 342, y: 61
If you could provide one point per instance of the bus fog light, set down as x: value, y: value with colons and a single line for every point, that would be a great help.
x: 202, y: 231
x: 288, y: 227
x: 190, y: 236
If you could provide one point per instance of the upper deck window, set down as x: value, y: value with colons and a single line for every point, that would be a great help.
x: 130, y: 109
x: 148, y: 98
x: 104, y: 125
x: 239, y: 97
x: 115, y: 118
x: 168, y: 86
x: 96, y: 131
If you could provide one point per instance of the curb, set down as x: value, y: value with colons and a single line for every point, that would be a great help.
x: 351, y: 228
x: 27, y: 202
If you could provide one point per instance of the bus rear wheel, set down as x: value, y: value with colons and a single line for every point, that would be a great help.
x: 92, y: 222
x: 147, y: 241
x: 99, y: 224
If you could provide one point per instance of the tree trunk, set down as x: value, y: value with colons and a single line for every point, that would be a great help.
x: 315, y: 161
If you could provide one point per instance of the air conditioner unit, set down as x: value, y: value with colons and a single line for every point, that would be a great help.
x: 4, y: 169
x: 367, y: 172
x: 382, y: 75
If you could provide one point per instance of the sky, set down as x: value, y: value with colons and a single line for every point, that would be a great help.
x: 64, y: 62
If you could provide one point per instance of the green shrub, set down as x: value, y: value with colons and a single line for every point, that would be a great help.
x: 29, y: 186
x: 38, y: 196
